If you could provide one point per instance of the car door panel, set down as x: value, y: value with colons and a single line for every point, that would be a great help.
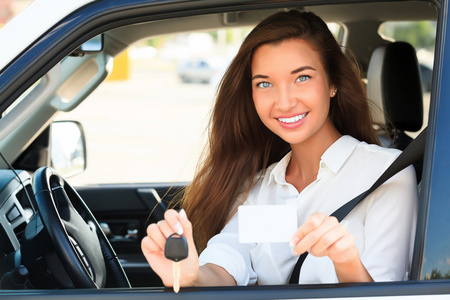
x: 124, y: 212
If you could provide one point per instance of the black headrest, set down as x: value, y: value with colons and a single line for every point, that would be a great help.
x: 393, y: 82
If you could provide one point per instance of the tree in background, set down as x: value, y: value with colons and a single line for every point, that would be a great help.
x: 420, y: 34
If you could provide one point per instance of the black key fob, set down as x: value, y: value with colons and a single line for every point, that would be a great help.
x: 176, y: 248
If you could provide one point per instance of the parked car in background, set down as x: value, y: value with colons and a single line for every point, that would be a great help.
x: 195, y: 70
x: 139, y: 140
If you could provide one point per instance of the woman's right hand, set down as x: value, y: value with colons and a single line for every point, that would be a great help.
x: 154, y: 243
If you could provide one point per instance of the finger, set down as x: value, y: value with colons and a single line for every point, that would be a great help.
x: 187, y: 228
x: 329, y: 238
x: 311, y: 223
x: 154, y: 233
x: 171, y: 216
x: 165, y: 228
x: 149, y: 246
x: 185, y: 223
x: 313, y: 236
x: 343, y: 250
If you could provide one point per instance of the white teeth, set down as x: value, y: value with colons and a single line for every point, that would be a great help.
x: 293, y: 119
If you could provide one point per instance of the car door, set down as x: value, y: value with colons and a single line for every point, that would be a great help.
x: 125, y: 207
x: 433, y: 248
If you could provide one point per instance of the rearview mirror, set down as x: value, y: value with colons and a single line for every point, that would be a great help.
x: 93, y: 46
x: 68, y: 148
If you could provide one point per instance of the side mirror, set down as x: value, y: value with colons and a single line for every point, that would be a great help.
x: 68, y: 148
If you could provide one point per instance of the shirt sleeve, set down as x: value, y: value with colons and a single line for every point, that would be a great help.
x: 390, y: 227
x: 225, y: 250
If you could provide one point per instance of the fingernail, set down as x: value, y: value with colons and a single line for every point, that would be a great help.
x: 183, y: 215
x: 345, y: 223
x: 295, y: 253
x: 293, y: 242
x: 178, y: 228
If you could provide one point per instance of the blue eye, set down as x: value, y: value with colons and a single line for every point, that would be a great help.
x: 264, y: 84
x: 302, y: 78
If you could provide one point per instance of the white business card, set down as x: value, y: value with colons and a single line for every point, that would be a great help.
x: 267, y: 223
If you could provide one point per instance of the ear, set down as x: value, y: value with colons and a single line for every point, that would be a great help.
x: 333, y: 91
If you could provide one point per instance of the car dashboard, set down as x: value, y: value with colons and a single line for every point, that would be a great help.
x: 16, y: 210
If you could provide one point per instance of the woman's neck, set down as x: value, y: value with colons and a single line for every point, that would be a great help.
x: 305, y: 159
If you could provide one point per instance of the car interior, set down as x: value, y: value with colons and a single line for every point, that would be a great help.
x: 389, y: 68
x: 394, y: 82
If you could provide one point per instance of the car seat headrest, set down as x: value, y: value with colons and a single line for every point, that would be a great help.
x: 394, y: 84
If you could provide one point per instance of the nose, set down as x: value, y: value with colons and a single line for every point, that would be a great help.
x: 285, y: 99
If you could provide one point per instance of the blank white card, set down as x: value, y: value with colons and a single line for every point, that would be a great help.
x: 267, y: 223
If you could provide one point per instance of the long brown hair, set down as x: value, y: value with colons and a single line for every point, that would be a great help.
x: 240, y: 145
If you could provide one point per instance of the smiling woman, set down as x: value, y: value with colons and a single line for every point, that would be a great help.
x: 290, y: 87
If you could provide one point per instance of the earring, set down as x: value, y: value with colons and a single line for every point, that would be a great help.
x: 334, y: 92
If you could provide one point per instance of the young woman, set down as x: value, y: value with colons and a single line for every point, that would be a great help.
x: 291, y: 126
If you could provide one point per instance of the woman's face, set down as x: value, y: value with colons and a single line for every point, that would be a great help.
x: 291, y: 91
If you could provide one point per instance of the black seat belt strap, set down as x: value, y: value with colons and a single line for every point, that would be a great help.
x: 413, y: 152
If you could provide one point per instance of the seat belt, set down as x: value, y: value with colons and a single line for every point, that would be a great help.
x: 412, y: 153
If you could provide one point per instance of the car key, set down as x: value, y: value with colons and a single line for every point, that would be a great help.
x: 176, y: 249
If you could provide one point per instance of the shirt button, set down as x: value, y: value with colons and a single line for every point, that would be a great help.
x: 322, y: 165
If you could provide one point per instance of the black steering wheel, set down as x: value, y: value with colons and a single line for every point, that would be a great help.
x: 78, y: 241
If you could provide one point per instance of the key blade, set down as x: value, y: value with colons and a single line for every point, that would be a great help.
x: 176, y: 277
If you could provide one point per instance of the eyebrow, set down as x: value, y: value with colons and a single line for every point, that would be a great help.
x: 259, y: 76
x: 301, y: 69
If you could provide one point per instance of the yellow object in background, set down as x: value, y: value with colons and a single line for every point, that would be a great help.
x: 121, y: 68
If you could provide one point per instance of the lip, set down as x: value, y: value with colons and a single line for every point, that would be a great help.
x: 293, y: 124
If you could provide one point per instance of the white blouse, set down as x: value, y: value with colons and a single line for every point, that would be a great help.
x: 383, y: 224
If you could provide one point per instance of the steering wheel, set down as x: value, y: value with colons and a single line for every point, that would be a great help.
x: 79, y: 242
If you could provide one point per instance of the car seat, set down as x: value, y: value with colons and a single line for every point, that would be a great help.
x: 394, y: 85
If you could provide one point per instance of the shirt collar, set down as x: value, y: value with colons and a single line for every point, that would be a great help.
x: 334, y: 157
x: 338, y: 153
x: 278, y: 173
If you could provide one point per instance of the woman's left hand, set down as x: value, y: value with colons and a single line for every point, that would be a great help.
x: 322, y: 235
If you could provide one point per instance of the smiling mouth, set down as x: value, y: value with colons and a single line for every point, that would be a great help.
x: 293, y: 119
